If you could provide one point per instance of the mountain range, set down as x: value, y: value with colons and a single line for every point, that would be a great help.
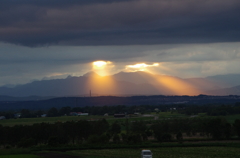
x: 127, y: 83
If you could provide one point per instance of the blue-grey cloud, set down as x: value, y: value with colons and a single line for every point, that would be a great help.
x: 118, y: 22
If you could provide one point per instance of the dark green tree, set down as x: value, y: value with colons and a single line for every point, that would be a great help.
x: 53, y: 112
x: 25, y: 113
x: 65, y: 111
x: 237, y: 127
x: 138, y: 127
x: 115, y: 128
x: 179, y: 137
x: 116, y: 138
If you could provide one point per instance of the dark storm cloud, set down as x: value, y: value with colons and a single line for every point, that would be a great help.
x: 118, y: 22
x: 53, y: 3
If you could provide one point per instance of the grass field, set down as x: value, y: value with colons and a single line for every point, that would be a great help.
x: 110, y: 119
x: 175, y: 152
x: 19, y: 156
x: 232, y: 118
x: 30, y: 121
x: 160, y: 152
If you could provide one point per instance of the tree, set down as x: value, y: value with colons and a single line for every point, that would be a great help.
x: 127, y: 126
x: 115, y: 128
x: 38, y: 113
x: 237, y: 127
x: 134, y: 138
x: 116, y: 138
x: 84, y: 129
x: 215, y: 127
x: 65, y: 110
x: 25, y: 113
x: 157, y: 131
x: 70, y: 130
x: 138, y: 127
x: 179, y: 137
x: 227, y: 130
x: 99, y: 127
x: 94, y: 139
x: 53, y: 112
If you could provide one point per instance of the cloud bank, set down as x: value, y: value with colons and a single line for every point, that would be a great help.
x: 118, y: 22
x: 21, y: 64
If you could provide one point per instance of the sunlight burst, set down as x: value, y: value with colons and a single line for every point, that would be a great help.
x: 102, y: 67
x: 99, y: 64
x: 140, y: 66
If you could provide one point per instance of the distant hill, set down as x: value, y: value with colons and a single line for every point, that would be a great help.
x: 29, y: 98
x: 205, y: 84
x: 225, y: 91
x: 124, y: 83
x: 113, y: 100
x: 230, y: 80
x: 79, y: 86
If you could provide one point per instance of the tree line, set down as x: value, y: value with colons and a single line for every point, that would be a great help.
x: 100, y: 131
x: 211, y: 110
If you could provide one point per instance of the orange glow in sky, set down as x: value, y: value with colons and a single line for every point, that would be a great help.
x: 177, y: 86
x: 105, y: 84
x: 102, y: 85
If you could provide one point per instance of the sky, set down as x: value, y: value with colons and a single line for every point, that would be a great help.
x: 56, y: 38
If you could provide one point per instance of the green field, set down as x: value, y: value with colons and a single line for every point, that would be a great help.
x: 110, y: 119
x: 161, y: 152
x: 175, y: 152
x: 30, y: 121
x: 19, y: 156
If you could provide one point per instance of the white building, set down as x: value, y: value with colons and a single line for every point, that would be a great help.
x: 2, y: 117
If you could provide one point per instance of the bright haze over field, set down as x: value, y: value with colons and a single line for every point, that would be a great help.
x: 179, y: 39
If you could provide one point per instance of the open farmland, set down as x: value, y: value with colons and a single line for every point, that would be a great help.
x: 20, y: 156
x: 110, y: 119
x: 163, y: 152
x: 30, y: 121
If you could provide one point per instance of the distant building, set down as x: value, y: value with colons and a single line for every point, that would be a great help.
x: 137, y: 113
x: 2, y: 117
x: 83, y: 114
x: 73, y: 113
x: 17, y: 115
x: 44, y: 115
x: 78, y: 114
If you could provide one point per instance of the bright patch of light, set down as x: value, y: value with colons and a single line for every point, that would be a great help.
x: 99, y: 64
x: 140, y: 66
x: 102, y: 67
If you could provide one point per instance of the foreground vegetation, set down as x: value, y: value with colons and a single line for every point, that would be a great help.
x: 176, y: 152
x: 100, y: 131
x: 163, y: 152
x: 110, y: 119
x: 125, y: 137
x: 20, y: 156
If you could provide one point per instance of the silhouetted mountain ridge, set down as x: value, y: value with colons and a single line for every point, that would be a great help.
x: 123, y: 83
